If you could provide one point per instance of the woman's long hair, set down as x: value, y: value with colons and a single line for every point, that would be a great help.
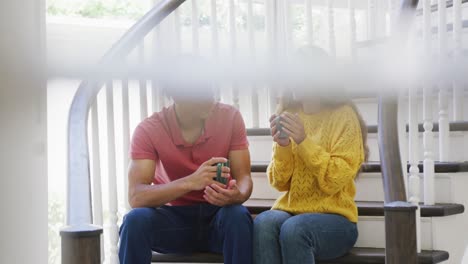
x: 333, y: 101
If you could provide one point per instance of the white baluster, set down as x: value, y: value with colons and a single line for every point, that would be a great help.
x: 427, y: 113
x: 371, y: 19
x: 97, y: 186
x: 233, y: 47
x: 444, y: 139
x: 270, y: 17
x: 214, y: 28
x: 126, y: 140
x: 413, y: 182
x: 287, y: 30
x: 195, y: 27
x: 254, y: 94
x: 428, y: 146
x: 392, y: 9
x: 309, y: 22
x: 443, y: 84
x: 232, y: 28
x: 458, y: 45
x: 331, y: 28
x: 111, y: 177
x: 142, y: 82
x: 352, y: 31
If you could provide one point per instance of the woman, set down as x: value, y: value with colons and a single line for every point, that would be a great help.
x: 315, y: 165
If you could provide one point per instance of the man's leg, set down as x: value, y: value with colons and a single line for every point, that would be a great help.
x: 306, y: 238
x: 266, y: 245
x: 231, y: 234
x: 166, y: 230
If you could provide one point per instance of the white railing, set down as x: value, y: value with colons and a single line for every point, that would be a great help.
x: 261, y: 102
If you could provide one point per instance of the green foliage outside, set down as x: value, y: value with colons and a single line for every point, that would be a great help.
x: 96, y: 8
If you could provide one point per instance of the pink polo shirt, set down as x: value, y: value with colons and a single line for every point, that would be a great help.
x: 159, y: 138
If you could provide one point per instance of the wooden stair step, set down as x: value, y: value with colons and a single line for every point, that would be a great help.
x: 375, y: 167
x: 355, y: 256
x: 256, y: 206
x: 372, y: 129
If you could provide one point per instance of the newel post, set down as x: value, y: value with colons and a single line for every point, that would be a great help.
x: 81, y: 245
x: 400, y: 233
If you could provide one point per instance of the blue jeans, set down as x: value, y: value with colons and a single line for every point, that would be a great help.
x: 280, y: 237
x: 187, y: 229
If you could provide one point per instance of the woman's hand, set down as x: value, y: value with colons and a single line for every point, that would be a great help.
x: 293, y: 126
x: 275, y: 133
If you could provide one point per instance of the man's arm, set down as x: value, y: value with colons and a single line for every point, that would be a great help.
x: 142, y: 193
x: 240, y: 188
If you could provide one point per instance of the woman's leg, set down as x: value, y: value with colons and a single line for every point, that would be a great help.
x: 266, y: 246
x: 305, y: 238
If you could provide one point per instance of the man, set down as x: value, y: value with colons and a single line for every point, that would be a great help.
x: 178, y: 207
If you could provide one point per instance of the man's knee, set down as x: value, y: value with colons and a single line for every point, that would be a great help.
x: 138, y: 219
x: 236, y: 215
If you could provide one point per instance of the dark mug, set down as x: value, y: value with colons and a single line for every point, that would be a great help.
x: 219, y: 171
x: 279, y: 127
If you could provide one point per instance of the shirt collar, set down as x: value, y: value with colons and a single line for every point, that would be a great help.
x: 176, y: 132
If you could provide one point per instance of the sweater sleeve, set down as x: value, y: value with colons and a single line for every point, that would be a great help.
x: 335, y: 167
x: 281, y: 167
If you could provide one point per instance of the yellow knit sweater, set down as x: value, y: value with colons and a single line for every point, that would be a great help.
x: 317, y: 175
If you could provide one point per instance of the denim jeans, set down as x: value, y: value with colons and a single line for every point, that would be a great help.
x: 187, y: 229
x: 280, y: 237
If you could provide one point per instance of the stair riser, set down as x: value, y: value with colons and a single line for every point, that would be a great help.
x: 369, y: 187
x: 372, y: 232
x: 261, y: 147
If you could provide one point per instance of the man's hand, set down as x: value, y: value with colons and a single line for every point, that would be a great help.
x: 275, y: 133
x: 205, y: 174
x: 293, y: 126
x: 217, y: 195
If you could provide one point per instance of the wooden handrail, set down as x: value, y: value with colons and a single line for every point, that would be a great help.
x: 80, y: 231
x: 400, y: 216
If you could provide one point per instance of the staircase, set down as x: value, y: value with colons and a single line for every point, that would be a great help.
x: 417, y: 229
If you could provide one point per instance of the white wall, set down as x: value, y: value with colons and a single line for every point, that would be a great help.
x: 23, y: 164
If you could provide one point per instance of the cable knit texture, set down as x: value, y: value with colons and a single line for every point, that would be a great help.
x: 318, y: 175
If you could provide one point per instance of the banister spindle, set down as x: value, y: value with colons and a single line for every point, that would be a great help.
x: 413, y: 179
x: 195, y: 27
x: 287, y: 32
x: 309, y: 21
x: 253, y: 92
x: 392, y: 9
x: 331, y: 28
x: 96, y: 176
x: 443, y: 84
x: 111, y: 177
x: 371, y: 19
x: 427, y: 111
x: 142, y: 84
x: 215, y: 42
x: 125, y: 140
x: 352, y: 31
x: 458, y: 45
x: 233, y: 47
x: 214, y: 28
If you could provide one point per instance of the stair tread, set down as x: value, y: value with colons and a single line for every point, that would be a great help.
x: 375, y: 166
x: 366, y: 208
x: 355, y: 256
x: 453, y: 126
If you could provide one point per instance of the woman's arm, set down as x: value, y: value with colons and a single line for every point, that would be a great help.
x: 336, y: 167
